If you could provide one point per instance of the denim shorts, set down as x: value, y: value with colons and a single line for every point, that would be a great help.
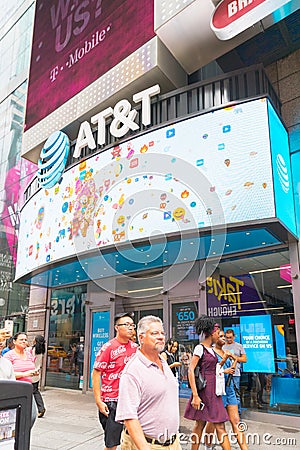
x: 230, y: 397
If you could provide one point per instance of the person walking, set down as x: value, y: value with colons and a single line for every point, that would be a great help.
x: 9, y: 346
x: 109, y: 365
x: 38, y: 350
x: 80, y: 356
x: 229, y: 399
x: 239, y: 351
x: 170, y: 354
x: 6, y: 368
x: 148, y: 397
x: 23, y: 364
x: 209, y: 407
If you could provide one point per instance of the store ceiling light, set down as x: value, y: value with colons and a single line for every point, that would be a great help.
x: 285, y: 314
x: 230, y: 293
x: 247, y: 303
x: 285, y: 286
x: 267, y: 309
x: 145, y: 289
x: 253, y: 272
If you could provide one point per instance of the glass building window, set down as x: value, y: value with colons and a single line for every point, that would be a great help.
x: 66, y: 337
x: 253, y: 297
x: 15, y: 47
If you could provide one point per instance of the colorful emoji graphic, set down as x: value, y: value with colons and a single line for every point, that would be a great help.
x: 116, y: 152
x: 248, y: 184
x: 84, y: 207
x: 179, y: 213
x: 121, y: 220
x: 144, y: 149
x: 40, y: 218
x: 185, y: 194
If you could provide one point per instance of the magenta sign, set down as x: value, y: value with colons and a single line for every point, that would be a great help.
x: 285, y: 273
x: 77, y: 41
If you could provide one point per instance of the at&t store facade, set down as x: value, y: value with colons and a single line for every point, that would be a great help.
x: 162, y: 201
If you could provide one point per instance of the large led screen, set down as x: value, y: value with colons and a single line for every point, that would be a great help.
x: 199, y: 173
x: 75, y: 42
x: 282, y: 175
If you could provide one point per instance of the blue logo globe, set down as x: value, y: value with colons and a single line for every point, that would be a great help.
x: 53, y: 158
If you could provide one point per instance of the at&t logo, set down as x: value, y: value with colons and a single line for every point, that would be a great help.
x: 53, y: 158
x: 283, y: 174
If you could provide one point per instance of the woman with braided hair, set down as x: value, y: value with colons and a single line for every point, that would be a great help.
x: 209, y: 407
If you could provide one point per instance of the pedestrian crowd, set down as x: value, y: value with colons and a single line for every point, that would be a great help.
x: 21, y: 362
x: 136, y: 386
x: 135, y: 382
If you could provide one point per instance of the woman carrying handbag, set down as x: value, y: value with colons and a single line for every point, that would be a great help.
x: 206, y: 406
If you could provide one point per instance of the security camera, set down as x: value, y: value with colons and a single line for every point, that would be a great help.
x: 163, y: 292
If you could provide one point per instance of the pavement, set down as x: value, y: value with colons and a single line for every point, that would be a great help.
x: 71, y: 422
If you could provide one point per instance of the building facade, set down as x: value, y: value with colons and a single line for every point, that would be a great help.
x: 15, y: 46
x: 171, y: 187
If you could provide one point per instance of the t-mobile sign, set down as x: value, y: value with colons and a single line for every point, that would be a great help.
x: 77, y: 41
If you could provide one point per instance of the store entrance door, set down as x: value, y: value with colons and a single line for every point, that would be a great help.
x: 138, y: 315
x: 140, y: 307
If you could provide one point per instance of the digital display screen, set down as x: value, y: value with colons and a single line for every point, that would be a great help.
x: 202, y: 172
x: 100, y: 335
x: 183, y: 320
x: 283, y: 183
x: 76, y: 42
x: 257, y: 340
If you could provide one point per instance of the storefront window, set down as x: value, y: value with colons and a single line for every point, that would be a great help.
x: 253, y: 297
x: 66, y: 338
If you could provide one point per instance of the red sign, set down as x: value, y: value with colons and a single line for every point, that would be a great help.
x: 231, y: 17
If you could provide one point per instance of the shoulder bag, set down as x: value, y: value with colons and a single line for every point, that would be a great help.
x: 199, y: 378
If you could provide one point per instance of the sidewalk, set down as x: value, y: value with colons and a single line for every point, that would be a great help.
x: 71, y: 422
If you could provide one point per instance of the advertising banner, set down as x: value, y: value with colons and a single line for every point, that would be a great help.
x: 183, y: 321
x: 233, y: 296
x: 257, y: 340
x: 100, y: 335
x: 80, y: 41
x: 8, y: 419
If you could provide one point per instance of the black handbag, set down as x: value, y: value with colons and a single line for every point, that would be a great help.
x: 199, y: 379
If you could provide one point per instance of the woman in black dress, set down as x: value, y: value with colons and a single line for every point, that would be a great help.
x: 208, y: 408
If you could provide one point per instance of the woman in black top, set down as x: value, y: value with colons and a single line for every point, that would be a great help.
x: 38, y: 350
x: 170, y: 354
